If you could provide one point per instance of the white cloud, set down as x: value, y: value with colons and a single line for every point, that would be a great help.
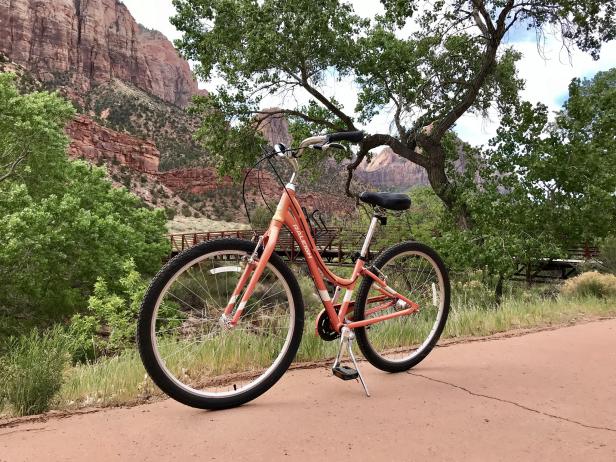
x: 547, y: 78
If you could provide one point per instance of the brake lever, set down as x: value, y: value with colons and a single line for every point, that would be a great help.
x: 326, y: 146
x: 335, y: 146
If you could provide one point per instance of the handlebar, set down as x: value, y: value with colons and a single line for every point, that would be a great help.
x: 353, y: 137
x: 320, y: 142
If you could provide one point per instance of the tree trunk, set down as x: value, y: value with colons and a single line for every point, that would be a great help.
x: 441, y: 185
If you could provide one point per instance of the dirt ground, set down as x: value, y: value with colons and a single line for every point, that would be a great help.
x: 544, y: 396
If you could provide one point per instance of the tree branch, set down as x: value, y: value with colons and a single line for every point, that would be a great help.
x: 486, y: 25
x: 477, y: 82
x: 303, y: 80
x: 301, y: 115
x: 12, y: 167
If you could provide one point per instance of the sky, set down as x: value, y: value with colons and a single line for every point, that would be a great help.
x: 547, y: 74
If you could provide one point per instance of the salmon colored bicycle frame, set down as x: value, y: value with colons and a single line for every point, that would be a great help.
x: 289, y: 213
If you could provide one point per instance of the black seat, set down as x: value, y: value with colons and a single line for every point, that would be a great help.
x: 391, y: 201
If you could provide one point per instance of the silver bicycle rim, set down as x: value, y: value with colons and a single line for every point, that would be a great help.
x: 262, y: 376
x: 391, y: 350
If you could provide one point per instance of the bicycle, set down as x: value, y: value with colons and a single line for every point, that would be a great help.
x: 222, y: 321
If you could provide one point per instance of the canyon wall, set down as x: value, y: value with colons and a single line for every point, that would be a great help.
x: 389, y: 172
x: 77, y: 44
x: 97, y: 144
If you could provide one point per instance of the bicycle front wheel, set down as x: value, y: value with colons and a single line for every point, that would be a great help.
x: 397, y: 344
x: 187, y: 348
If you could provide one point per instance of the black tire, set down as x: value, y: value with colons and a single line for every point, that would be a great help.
x: 369, y: 351
x: 146, y: 341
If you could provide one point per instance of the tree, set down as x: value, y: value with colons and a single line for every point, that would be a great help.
x: 453, y: 64
x: 30, y: 127
x: 545, y: 186
x: 63, y: 224
x: 568, y: 165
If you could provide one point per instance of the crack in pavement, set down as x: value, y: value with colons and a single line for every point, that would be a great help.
x: 521, y: 406
x: 22, y: 430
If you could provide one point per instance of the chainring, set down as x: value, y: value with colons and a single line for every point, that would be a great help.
x: 324, y: 327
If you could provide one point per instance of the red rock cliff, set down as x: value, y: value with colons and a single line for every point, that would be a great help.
x: 78, y: 44
x: 389, y: 171
x: 96, y: 143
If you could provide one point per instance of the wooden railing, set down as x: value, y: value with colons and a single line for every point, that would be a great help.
x: 338, y: 244
x: 335, y: 245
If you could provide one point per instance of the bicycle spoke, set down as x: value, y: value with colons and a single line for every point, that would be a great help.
x: 196, y: 347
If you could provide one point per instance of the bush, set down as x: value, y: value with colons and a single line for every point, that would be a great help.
x: 590, y: 284
x: 170, y: 213
x: 32, y: 371
x: 472, y: 292
x: 607, y: 253
x: 261, y: 218
x: 109, y: 324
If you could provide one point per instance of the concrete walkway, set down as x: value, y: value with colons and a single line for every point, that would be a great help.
x: 547, y: 396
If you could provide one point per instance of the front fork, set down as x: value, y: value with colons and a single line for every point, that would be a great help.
x: 251, y: 275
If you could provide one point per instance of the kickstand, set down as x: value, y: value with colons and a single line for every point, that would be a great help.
x: 343, y: 372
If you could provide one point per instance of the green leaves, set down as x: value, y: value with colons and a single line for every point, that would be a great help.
x: 63, y: 225
x: 108, y: 325
x: 545, y: 187
x: 30, y: 127
x: 264, y: 49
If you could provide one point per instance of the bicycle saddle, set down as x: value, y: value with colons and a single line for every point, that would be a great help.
x: 390, y: 201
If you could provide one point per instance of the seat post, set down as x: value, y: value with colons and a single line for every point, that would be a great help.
x: 369, y: 235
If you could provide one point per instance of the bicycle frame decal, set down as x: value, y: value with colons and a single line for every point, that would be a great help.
x: 289, y: 214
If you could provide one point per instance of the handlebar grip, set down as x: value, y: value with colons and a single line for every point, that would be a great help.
x: 353, y: 137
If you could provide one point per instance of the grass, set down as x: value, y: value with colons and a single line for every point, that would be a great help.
x: 32, y: 372
x: 182, y: 224
x: 122, y: 379
x: 520, y: 314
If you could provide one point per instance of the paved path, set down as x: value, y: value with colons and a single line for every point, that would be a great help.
x: 547, y: 396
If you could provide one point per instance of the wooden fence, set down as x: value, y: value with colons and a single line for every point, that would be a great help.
x: 338, y: 244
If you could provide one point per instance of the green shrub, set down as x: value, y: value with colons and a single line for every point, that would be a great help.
x: 472, y: 292
x: 170, y: 212
x: 261, y: 218
x: 607, y: 253
x: 32, y: 371
x: 186, y: 211
x: 109, y: 324
x: 590, y: 284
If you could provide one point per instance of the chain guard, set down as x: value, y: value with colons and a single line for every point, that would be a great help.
x: 324, y: 327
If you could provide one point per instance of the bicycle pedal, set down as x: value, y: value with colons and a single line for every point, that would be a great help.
x: 345, y: 373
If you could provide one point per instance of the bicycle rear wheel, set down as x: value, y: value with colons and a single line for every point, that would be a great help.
x: 417, y: 272
x: 187, y: 348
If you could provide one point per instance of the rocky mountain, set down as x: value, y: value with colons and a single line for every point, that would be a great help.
x: 274, y: 127
x: 77, y: 45
x: 131, y: 89
x: 387, y: 171
x: 135, y: 163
